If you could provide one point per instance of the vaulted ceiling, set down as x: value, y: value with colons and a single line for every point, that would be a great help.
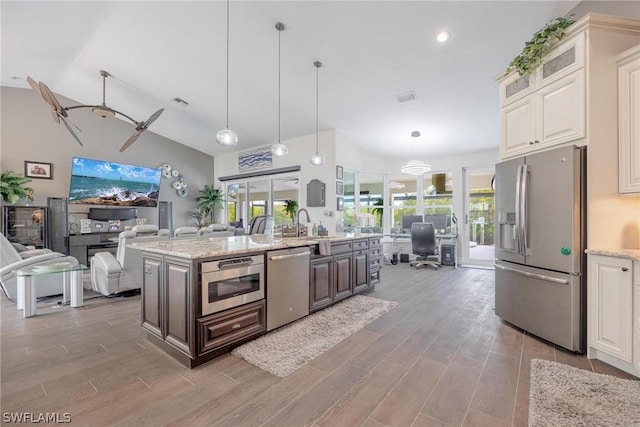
x: 371, y: 52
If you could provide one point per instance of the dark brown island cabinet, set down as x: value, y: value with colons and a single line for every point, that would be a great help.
x: 352, y: 267
x: 172, y: 306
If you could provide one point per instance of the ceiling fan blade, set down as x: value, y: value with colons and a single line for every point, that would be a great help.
x: 71, y: 131
x: 34, y: 85
x: 56, y: 118
x: 131, y: 140
x: 52, y: 100
x: 153, y: 118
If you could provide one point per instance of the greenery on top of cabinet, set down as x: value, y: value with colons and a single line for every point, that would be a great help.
x: 539, y: 46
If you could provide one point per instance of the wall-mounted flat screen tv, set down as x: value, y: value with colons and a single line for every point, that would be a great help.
x: 99, y: 182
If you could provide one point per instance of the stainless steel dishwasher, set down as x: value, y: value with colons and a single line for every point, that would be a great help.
x: 287, y: 286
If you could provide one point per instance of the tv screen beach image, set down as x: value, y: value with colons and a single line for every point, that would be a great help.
x: 100, y: 182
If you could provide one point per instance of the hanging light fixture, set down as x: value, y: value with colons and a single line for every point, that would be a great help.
x: 226, y: 136
x: 317, y: 159
x: 279, y: 149
x: 415, y: 167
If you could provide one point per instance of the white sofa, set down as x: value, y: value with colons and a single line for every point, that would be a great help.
x: 113, y: 275
x: 11, y: 259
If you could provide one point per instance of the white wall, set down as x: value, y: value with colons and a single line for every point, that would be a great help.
x: 28, y: 132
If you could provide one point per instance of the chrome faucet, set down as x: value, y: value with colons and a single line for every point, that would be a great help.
x: 298, y: 217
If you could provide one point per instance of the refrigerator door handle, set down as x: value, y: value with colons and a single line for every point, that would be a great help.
x: 533, y: 275
x: 523, y: 208
x: 517, y: 210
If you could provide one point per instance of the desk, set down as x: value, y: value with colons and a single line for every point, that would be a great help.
x: 72, y: 284
x: 439, y: 238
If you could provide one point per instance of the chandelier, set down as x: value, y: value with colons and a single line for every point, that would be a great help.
x: 415, y: 167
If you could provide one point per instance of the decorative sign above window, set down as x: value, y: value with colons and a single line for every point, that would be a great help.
x: 258, y: 158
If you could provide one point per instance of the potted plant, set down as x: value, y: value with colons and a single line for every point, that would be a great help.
x: 12, y: 187
x: 291, y: 208
x: 540, y: 45
x: 210, y: 202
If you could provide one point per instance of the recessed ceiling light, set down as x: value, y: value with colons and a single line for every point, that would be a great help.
x: 442, y: 36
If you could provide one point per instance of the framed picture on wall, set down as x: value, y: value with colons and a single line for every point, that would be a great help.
x: 339, y: 188
x: 339, y: 172
x: 340, y: 204
x: 38, y: 170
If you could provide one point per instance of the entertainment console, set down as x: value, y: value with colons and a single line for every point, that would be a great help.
x: 104, y: 225
x: 84, y: 246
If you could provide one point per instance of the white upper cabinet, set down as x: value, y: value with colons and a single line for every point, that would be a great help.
x: 547, y: 107
x: 629, y: 120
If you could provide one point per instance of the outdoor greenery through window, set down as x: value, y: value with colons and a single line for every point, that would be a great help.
x: 262, y: 196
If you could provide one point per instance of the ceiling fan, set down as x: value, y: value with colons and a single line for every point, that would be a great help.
x: 60, y: 113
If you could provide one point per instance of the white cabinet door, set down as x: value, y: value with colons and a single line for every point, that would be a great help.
x: 561, y: 111
x: 514, y: 87
x: 636, y: 315
x: 629, y: 122
x: 563, y: 60
x: 518, y: 127
x: 610, y: 298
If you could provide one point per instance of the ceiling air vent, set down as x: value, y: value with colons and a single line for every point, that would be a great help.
x: 180, y: 101
x: 406, y: 97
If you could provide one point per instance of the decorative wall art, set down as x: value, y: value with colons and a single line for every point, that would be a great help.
x: 339, y: 172
x: 258, y: 158
x: 39, y: 170
x: 178, y: 182
x: 339, y: 204
x: 339, y: 188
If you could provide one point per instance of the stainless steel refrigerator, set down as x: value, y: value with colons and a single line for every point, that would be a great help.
x: 540, y: 241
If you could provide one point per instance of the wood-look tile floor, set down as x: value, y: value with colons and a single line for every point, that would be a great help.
x: 441, y: 358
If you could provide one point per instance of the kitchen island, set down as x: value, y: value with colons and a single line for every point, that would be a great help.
x: 195, y: 319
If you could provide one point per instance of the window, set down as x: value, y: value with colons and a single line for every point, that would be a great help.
x: 263, y: 195
x: 438, y: 194
x: 371, y: 201
x: 402, y: 192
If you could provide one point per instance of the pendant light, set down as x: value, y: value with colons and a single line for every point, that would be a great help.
x: 226, y: 136
x: 317, y: 159
x: 415, y: 167
x: 279, y: 149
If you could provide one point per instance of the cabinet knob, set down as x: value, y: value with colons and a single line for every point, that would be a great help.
x: 536, y: 141
x: 625, y: 269
x: 236, y: 326
x: 530, y: 142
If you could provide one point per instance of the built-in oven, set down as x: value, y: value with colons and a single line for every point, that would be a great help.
x: 229, y: 283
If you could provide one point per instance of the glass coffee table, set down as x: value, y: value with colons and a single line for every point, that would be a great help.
x: 72, y: 290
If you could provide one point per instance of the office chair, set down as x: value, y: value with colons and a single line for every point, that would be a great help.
x: 423, y: 244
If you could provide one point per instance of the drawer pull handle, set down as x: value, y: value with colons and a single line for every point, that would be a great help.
x: 235, y: 326
x: 625, y: 269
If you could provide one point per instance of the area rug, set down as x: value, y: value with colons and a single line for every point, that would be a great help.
x: 287, y: 349
x: 562, y: 395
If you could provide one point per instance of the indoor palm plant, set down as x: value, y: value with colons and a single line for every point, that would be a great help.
x: 12, y: 187
x: 291, y: 208
x: 210, y: 202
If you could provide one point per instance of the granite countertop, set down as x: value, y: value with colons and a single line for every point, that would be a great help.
x: 617, y: 252
x: 200, y: 247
